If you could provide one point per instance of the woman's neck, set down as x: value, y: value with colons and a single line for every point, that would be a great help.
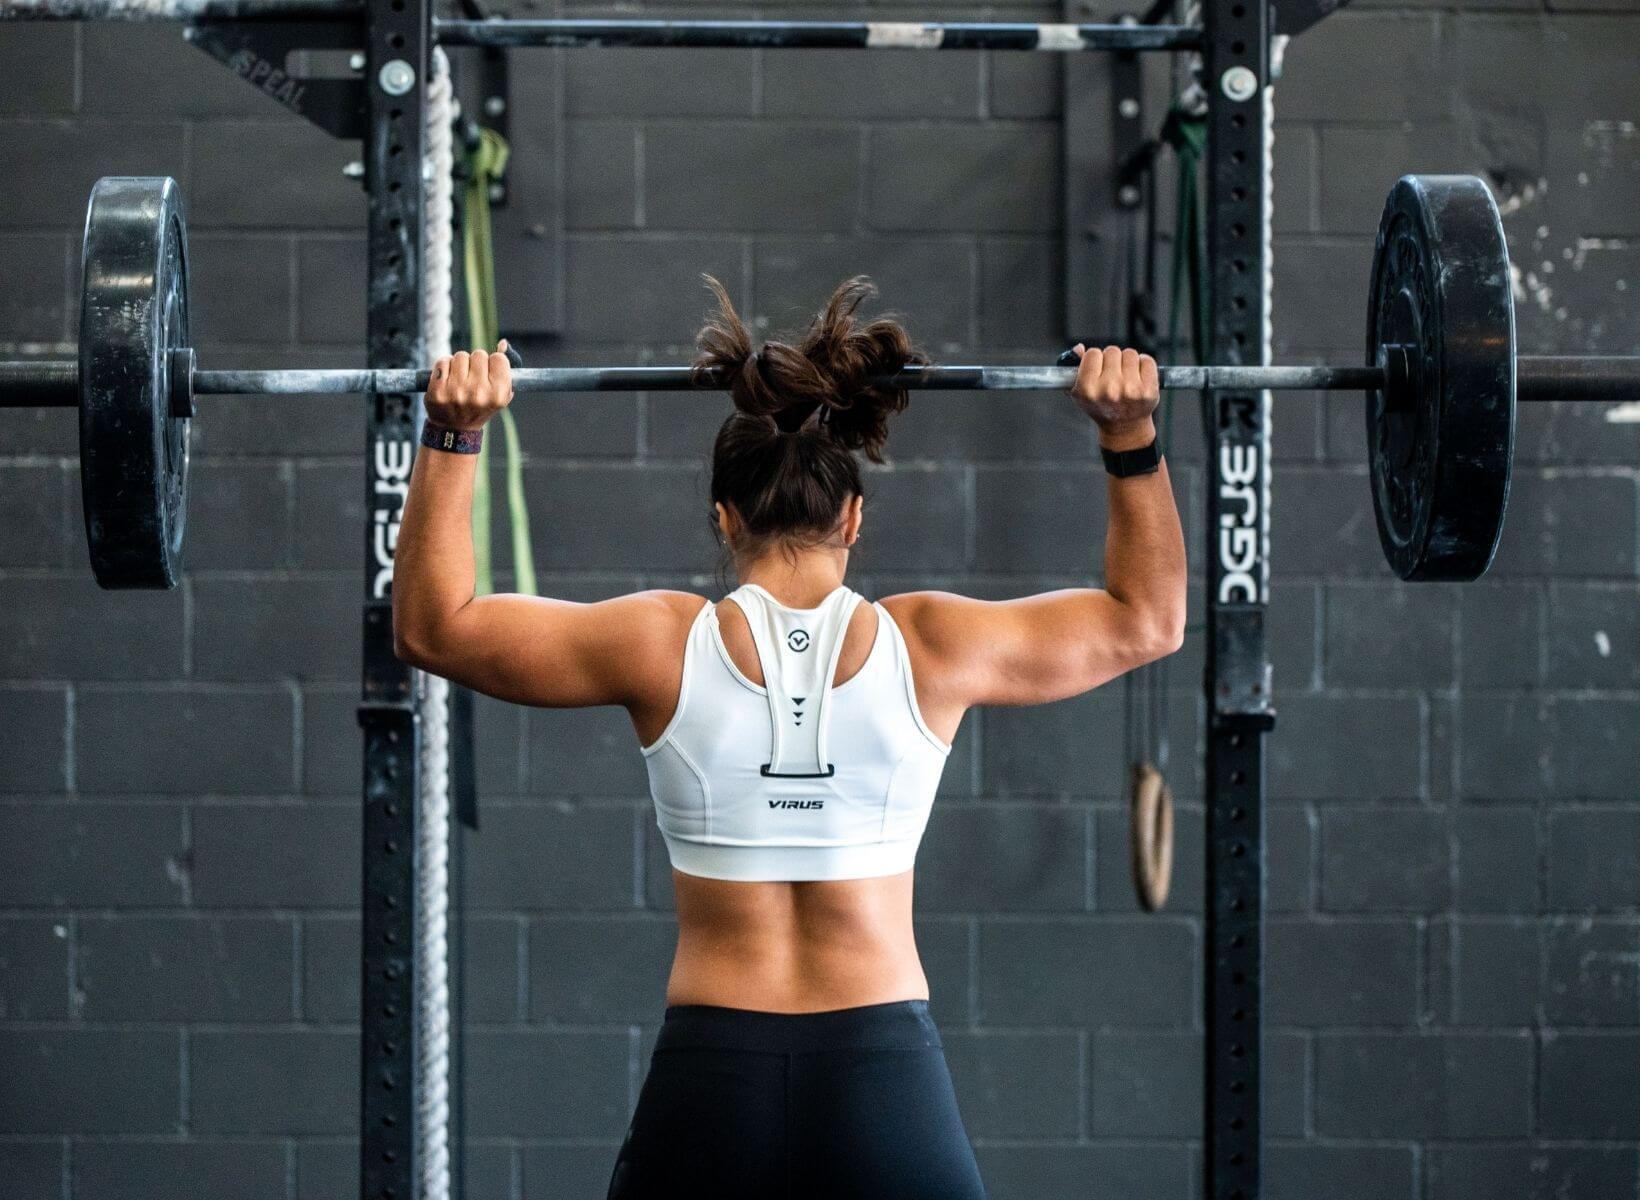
x: 801, y: 580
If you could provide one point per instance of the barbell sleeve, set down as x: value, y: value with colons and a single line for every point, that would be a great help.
x: 54, y: 384
x: 1600, y: 379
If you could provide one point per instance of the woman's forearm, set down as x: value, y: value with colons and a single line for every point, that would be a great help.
x: 1144, y: 553
x: 1145, y: 564
x: 434, y: 573
x: 1144, y: 547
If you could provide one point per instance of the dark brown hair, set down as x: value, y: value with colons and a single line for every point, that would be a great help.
x: 785, y: 460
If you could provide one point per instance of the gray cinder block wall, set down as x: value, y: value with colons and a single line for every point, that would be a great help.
x: 1454, y: 953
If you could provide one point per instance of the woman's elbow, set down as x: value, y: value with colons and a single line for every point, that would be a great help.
x: 415, y: 642
x: 1160, y: 635
x: 409, y: 651
x: 1172, y: 628
x: 428, y: 635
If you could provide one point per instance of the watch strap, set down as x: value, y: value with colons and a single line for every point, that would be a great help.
x: 1143, y: 460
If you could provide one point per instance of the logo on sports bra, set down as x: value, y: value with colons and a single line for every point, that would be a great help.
x: 797, y: 804
x: 798, y: 640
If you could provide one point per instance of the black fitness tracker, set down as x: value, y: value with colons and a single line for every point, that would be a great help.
x: 1145, y: 460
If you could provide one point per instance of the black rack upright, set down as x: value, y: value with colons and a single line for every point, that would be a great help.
x: 1235, y: 76
x: 398, y: 36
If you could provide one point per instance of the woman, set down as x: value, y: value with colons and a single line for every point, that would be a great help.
x: 794, y: 737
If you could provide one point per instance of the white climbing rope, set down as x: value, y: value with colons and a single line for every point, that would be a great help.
x: 432, y: 1084
x: 1267, y: 203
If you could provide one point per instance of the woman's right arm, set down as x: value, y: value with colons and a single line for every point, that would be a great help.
x: 522, y: 649
x: 1058, y: 644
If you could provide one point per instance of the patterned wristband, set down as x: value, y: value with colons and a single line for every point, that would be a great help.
x: 457, y: 441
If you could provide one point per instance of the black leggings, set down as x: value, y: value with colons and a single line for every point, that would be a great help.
x: 852, y: 1103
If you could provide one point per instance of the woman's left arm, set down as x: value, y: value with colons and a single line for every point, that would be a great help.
x: 523, y: 649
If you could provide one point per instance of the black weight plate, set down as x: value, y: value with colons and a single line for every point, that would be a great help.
x: 1440, y: 450
x: 133, y: 312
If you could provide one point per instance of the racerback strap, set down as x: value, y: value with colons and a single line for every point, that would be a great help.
x: 798, y: 649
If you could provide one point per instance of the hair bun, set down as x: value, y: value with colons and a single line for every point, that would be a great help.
x: 835, y: 370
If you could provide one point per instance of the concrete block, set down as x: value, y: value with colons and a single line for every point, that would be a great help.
x: 599, y: 970
x: 729, y: 176
x: 275, y: 1081
x: 1321, y: 972
x: 38, y: 718
x: 55, y: 854
x: 1389, y: 637
x: 276, y: 855
x: 1145, y: 1085
x: 1591, y: 853
x: 534, y: 857
x: 1409, y: 1086
x: 1583, y: 1086
x: 34, y: 978
x: 235, y: 970
x: 309, y: 627
x: 1016, y: 1084
x: 255, y: 1170
x: 1035, y: 856
x: 1533, y: 1173
x: 1107, y: 971
x: 1377, y: 759
x: 1001, y: 177
x: 93, y: 1081
x: 1384, y: 860
x: 183, y: 741
x: 526, y: 1080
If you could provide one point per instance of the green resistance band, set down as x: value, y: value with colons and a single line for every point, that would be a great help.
x: 486, y: 160
x: 1187, y: 134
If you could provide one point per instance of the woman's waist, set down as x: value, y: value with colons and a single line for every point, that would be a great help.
x: 800, y: 965
x: 901, y: 1024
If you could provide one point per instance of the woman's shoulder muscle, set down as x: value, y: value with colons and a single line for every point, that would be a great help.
x: 935, y: 629
x: 563, y: 654
x: 651, y: 627
x: 1030, y: 649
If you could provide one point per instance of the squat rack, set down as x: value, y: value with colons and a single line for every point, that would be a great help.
x: 388, y: 109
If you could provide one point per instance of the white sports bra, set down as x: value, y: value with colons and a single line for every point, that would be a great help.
x: 797, y: 779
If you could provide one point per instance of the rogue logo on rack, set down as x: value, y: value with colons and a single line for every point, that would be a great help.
x: 390, y: 482
x: 1239, y: 518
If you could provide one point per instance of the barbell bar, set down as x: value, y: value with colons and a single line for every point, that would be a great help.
x: 1441, y: 379
x: 56, y: 384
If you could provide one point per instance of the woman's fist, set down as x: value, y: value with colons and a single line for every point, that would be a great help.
x: 1119, y: 389
x: 467, y: 389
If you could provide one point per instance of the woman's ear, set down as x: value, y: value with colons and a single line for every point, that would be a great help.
x: 726, y: 522
x: 853, y: 515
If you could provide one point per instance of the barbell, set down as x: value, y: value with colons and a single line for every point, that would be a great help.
x: 1441, y: 379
